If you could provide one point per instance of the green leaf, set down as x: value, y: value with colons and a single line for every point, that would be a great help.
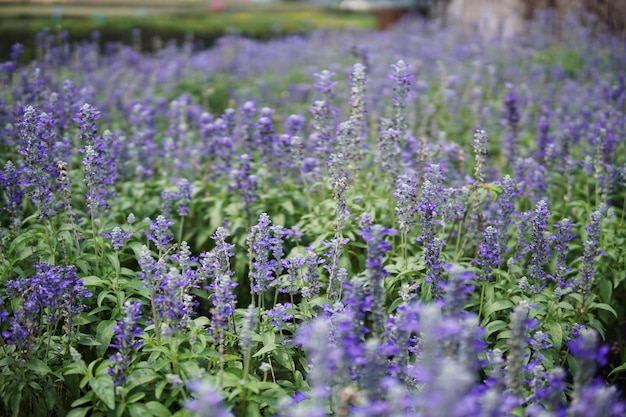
x: 135, y: 397
x: 104, y: 334
x: 495, y: 326
x: 603, y: 306
x: 140, y: 377
x: 265, y: 349
x: 498, y: 305
x: 39, y: 366
x: 618, y: 370
x: 138, y: 410
x: 78, y: 412
x: 157, y: 409
x: 102, y: 386
x: 556, y: 333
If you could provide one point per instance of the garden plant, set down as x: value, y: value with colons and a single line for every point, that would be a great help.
x: 345, y: 223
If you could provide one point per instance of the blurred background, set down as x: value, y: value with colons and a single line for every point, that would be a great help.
x: 206, y: 20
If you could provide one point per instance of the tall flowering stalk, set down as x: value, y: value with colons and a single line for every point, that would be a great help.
x: 518, y: 342
x: 390, y: 151
x: 39, y: 170
x: 505, y: 209
x: 52, y: 294
x: 151, y: 275
x: 511, y: 119
x: 245, y: 183
x: 539, y: 246
x: 13, y: 194
x: 377, y: 247
x: 350, y: 134
x: 402, y: 77
x: 99, y: 161
x: 127, y: 331
x: 117, y: 236
x: 406, y: 208
x: 265, y: 253
x: 428, y: 209
x: 591, y: 250
x: 481, y: 151
x: 561, y: 237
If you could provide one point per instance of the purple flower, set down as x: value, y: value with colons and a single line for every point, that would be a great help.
x: 518, y: 342
x: 377, y: 247
x: 246, y: 183
x: 406, y: 203
x: 117, y: 237
x: 264, y: 240
x: 152, y: 271
x: 291, y: 282
x: 561, y: 237
x: 208, y: 401
x: 280, y: 315
x: 100, y: 170
x: 401, y: 89
x: 505, y: 210
x: 126, y: 333
x: 173, y: 303
x: 512, y: 119
x: 247, y: 329
x: 39, y: 172
x: 12, y: 194
x: 56, y: 290
x: 160, y: 233
x: 539, y: 246
x: 223, y: 300
x: 488, y: 253
x: 591, y: 250
x: 481, y: 149
x: 390, y: 149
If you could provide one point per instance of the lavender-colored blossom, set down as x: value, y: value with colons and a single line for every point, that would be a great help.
x: 544, y: 139
x: 55, y: 290
x: 406, y: 203
x: 481, y: 150
x: 247, y: 329
x: 311, y: 275
x: 457, y: 290
x: 264, y: 240
x: 160, y: 233
x: 207, y: 401
x: 141, y: 149
x: 539, y: 245
x: 377, y: 247
x: 246, y: 183
x: 402, y: 77
x: 291, y: 282
x: 174, y: 304
x: 512, y: 119
x: 117, y: 236
x: 390, y: 149
x: 561, y: 237
x: 184, y: 196
x: 505, y: 211
x: 518, y: 342
x: 279, y: 315
x: 223, y: 299
x: 125, y: 341
x: 591, y: 250
x: 100, y: 170
x: 428, y: 209
x: 488, y: 253
x: 13, y: 194
x: 39, y: 171
x: 152, y: 271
